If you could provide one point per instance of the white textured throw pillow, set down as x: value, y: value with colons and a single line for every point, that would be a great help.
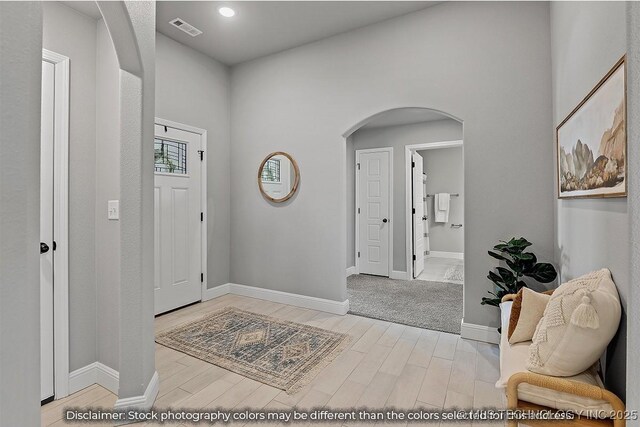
x: 580, y: 320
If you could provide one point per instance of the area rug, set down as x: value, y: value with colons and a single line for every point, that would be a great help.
x: 454, y: 274
x: 282, y: 354
x: 429, y: 305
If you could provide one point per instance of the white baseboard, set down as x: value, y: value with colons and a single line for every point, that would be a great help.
x: 351, y: 270
x: 399, y: 275
x: 320, y: 304
x: 479, y: 333
x: 442, y: 254
x: 144, y: 401
x: 94, y: 373
x: 216, y: 292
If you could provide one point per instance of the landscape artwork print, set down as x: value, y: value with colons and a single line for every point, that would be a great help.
x: 592, y: 142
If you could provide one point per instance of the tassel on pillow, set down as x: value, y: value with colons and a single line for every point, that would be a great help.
x: 585, y: 315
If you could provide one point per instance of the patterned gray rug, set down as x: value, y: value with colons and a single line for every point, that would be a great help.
x: 282, y: 354
x: 430, y: 305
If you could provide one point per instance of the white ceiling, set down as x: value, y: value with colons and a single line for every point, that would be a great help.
x: 89, y: 8
x: 261, y: 28
x: 404, y: 116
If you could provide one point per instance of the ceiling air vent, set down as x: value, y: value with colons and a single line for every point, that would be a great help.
x: 187, y: 28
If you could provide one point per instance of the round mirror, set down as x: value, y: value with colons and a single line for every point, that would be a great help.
x: 278, y: 177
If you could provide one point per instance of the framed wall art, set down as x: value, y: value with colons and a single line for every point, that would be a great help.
x: 592, y: 142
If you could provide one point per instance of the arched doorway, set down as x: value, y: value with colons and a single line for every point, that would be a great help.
x: 387, y: 247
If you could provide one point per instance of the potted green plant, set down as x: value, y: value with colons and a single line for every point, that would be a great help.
x: 519, y: 264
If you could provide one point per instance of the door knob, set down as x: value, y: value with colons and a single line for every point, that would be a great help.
x: 44, y: 248
x: 385, y: 220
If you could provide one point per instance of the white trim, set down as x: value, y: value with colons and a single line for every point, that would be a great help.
x: 216, y: 292
x: 443, y: 254
x: 94, y: 373
x: 400, y: 275
x: 82, y: 378
x: 107, y: 377
x: 203, y: 194
x: 391, y: 222
x: 61, y: 222
x: 144, y: 401
x: 351, y: 270
x: 479, y: 333
x: 408, y: 150
x: 320, y: 304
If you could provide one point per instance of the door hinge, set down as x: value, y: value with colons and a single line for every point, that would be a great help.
x: 413, y: 211
x: 201, y: 277
x: 358, y: 254
x: 55, y: 245
x: 201, y: 216
x: 201, y: 153
x: 414, y: 257
x: 358, y: 210
x: 413, y: 164
x: 358, y: 166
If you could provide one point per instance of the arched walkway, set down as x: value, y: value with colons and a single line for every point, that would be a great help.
x: 386, y: 129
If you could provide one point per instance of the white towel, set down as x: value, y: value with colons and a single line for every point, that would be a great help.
x: 441, y: 207
x: 427, y: 244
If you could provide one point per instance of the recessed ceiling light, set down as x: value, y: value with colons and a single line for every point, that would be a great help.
x: 227, y: 12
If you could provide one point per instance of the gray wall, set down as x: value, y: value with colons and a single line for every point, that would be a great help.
x: 633, y: 114
x: 303, y: 100
x: 20, y: 82
x: 72, y: 34
x: 445, y: 174
x: 397, y: 137
x: 587, y: 40
x: 193, y: 89
x: 134, y: 42
x: 107, y: 188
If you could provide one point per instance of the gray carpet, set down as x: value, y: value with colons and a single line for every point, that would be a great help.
x: 429, y: 305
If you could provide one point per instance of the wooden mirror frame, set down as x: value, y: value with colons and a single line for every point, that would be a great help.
x: 294, y: 188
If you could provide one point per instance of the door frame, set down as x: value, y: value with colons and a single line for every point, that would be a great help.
x: 60, y: 223
x: 203, y: 193
x: 408, y: 151
x: 357, y: 198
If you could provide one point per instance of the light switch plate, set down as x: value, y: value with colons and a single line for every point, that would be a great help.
x: 113, y: 209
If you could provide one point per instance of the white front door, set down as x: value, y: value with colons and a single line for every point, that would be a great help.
x: 177, y: 219
x: 418, y: 214
x: 46, y: 231
x: 374, y: 207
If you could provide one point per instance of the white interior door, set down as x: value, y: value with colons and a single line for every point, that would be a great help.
x: 418, y: 214
x: 177, y: 219
x: 46, y: 231
x: 374, y: 208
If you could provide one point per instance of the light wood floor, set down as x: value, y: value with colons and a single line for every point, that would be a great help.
x: 386, y: 365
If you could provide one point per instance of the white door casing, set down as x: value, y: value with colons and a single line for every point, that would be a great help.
x: 178, y: 219
x: 418, y: 215
x: 373, y: 211
x: 408, y: 156
x: 47, y: 132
